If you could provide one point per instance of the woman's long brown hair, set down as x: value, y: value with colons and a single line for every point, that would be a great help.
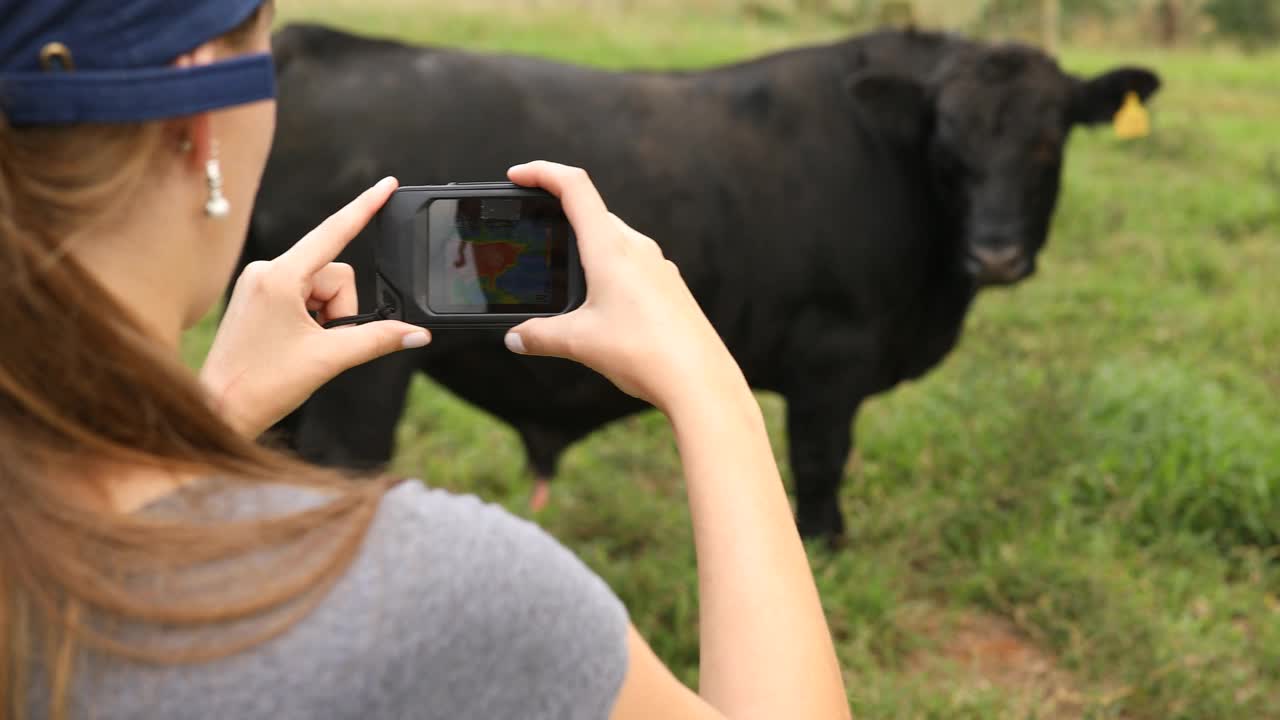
x: 80, y: 379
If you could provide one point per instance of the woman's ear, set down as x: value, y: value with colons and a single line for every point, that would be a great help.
x: 195, y: 133
x: 197, y: 140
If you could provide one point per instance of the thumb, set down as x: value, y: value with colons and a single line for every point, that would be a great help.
x: 541, y: 336
x: 357, y: 345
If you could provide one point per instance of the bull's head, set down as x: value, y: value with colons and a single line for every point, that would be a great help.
x: 993, y: 123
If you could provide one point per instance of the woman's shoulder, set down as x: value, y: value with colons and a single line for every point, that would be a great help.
x: 500, y: 616
x: 416, y: 523
x: 490, y: 605
x: 461, y: 541
x: 452, y: 608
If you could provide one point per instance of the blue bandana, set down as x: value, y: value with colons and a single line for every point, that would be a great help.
x: 109, y: 61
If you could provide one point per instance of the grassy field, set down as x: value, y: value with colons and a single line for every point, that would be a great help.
x: 1078, y: 515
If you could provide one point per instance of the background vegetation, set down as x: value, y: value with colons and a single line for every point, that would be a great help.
x: 1078, y: 515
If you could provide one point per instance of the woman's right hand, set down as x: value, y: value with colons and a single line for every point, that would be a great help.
x: 640, y: 326
x: 765, y: 648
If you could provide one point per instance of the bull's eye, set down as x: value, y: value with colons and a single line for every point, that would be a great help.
x: 951, y: 168
x: 1045, y: 151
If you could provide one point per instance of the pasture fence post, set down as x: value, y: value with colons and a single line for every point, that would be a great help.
x: 900, y: 14
x: 1168, y: 22
x: 1050, y: 24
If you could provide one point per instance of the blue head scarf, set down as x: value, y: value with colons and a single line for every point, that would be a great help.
x: 109, y: 61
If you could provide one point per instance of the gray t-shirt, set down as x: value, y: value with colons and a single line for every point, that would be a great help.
x: 453, y: 609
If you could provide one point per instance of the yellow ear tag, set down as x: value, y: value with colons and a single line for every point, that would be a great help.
x: 1132, y: 121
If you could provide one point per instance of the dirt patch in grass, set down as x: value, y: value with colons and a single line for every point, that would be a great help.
x: 980, y: 653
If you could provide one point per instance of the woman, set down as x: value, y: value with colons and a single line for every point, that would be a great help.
x: 155, y: 561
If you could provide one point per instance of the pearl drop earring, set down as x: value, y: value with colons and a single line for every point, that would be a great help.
x: 217, y: 206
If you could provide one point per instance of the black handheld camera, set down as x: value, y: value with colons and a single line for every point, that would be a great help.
x: 475, y: 255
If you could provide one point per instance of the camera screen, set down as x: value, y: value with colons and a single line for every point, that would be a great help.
x: 498, y: 255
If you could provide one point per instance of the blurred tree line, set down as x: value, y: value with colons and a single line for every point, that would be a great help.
x: 1253, y: 24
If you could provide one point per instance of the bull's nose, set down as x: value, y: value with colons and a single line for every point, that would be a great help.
x: 997, y: 264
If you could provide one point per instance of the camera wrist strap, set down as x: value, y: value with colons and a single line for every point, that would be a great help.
x: 382, y: 313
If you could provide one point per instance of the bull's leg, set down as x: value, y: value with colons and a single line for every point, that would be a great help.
x: 540, y: 498
x: 820, y: 436
x: 543, y: 447
x: 351, y: 422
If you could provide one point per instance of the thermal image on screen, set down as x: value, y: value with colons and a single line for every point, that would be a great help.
x: 511, y: 263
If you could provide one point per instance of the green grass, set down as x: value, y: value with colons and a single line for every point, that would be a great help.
x: 1097, y: 465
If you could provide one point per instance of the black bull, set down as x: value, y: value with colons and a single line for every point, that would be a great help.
x: 834, y: 209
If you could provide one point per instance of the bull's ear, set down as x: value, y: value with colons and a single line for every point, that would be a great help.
x: 893, y: 104
x: 1099, y: 99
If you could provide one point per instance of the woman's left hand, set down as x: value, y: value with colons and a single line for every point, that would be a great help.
x: 270, y: 355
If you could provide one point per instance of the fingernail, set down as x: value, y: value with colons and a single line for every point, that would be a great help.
x: 513, y: 168
x: 387, y: 181
x: 415, y: 340
x: 515, y: 343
